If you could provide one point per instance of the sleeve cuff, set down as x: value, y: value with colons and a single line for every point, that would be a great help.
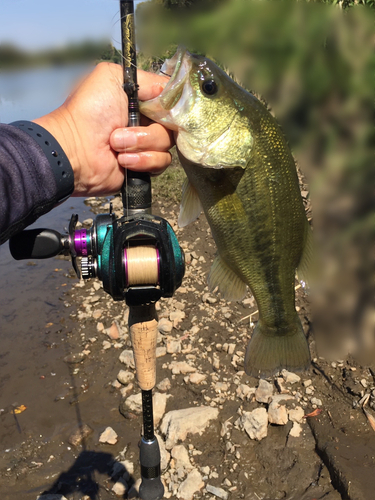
x: 60, y: 165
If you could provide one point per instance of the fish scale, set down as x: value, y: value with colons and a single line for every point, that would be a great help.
x: 242, y: 174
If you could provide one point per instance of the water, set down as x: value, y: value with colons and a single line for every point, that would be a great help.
x: 29, y: 291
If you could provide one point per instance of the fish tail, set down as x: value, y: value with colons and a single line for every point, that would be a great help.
x: 270, y: 351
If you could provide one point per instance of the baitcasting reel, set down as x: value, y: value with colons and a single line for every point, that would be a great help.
x: 138, y: 258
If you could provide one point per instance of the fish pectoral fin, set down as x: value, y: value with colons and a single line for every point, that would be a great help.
x: 305, y: 269
x: 230, y: 285
x: 191, y: 206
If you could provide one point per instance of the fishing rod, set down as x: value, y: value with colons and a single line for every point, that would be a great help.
x: 137, y: 257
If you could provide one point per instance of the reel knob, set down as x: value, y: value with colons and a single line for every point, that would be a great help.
x: 88, y: 268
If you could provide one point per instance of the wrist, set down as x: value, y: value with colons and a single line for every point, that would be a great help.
x: 55, y: 154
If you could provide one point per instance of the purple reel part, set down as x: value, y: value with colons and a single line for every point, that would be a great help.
x: 80, y: 242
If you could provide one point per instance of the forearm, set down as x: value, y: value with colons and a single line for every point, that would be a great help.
x: 28, y: 187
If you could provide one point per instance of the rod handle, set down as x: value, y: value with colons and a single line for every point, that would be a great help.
x: 143, y: 327
x: 149, y: 456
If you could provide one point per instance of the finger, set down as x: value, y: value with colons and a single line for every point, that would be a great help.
x: 150, y: 85
x: 154, y: 137
x: 154, y: 162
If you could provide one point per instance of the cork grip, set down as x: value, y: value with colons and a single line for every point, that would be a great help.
x: 143, y: 327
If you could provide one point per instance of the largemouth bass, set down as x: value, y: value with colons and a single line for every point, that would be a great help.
x: 241, y: 173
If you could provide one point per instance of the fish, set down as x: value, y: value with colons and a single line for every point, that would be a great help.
x: 242, y: 175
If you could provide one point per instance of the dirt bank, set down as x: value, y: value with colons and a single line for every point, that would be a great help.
x: 70, y: 382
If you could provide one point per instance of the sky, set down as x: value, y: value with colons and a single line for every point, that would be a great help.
x: 39, y: 24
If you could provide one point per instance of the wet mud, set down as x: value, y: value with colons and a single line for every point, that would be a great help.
x: 59, y: 363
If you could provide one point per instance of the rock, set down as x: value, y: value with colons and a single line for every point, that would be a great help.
x: 124, y: 377
x: 161, y: 351
x: 106, y: 345
x: 134, y: 403
x: 296, y: 430
x: 164, y: 385
x: 100, y: 327
x: 264, y: 391
x: 127, y: 358
x: 165, y: 456
x: 218, y: 492
x: 195, y: 378
x: 74, y: 358
x: 181, y: 456
x: 243, y: 391
x: 51, y: 496
x: 125, y: 391
x: 289, y: 377
x: 120, y: 487
x: 183, y: 367
x: 173, y: 347
x: 316, y: 401
x: 255, y: 423
x: 177, y: 424
x: 165, y: 326
x: 176, y: 317
x: 296, y: 414
x: 277, y: 414
x: 80, y: 434
x: 108, y: 436
x: 280, y: 384
x: 113, y: 331
x: 191, y: 485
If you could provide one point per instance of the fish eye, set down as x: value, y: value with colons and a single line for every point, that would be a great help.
x: 209, y: 87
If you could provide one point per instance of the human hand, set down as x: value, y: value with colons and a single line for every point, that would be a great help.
x: 91, y: 128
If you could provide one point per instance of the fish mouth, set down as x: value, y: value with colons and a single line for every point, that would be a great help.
x: 178, y: 67
x: 160, y: 109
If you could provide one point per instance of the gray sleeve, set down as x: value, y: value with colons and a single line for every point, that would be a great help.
x: 28, y: 187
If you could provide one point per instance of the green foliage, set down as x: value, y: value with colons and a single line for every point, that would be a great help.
x: 88, y: 51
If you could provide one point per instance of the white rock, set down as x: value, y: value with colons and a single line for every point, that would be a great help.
x: 196, y: 378
x: 264, y: 391
x: 127, y: 358
x: 277, y: 414
x: 164, y: 385
x: 119, y: 488
x: 165, y: 456
x: 316, y: 401
x: 124, y: 377
x: 161, y: 351
x: 177, y: 424
x: 108, y: 436
x: 218, y: 492
x: 181, y: 456
x: 243, y: 391
x: 296, y: 414
x: 255, y: 423
x: 289, y: 377
x: 165, y: 326
x: 173, y: 347
x: 178, y: 367
x: 176, y: 317
x: 134, y: 403
x: 191, y: 485
x: 296, y: 430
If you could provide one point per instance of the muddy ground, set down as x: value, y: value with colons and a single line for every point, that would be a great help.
x: 64, y: 374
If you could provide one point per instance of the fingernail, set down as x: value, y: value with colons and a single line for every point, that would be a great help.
x: 124, y: 139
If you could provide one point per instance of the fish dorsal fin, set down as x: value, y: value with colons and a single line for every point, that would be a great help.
x: 230, y: 285
x: 191, y: 206
x: 305, y: 267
